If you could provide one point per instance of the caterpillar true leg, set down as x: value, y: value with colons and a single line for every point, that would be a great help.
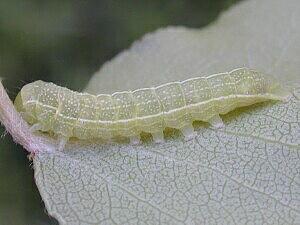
x: 36, y: 127
x: 188, y: 132
x: 216, y: 122
x: 62, y: 141
x: 158, y: 137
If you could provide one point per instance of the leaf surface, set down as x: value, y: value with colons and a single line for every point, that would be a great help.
x: 246, y: 173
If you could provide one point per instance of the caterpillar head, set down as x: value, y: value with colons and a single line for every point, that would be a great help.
x: 19, y: 103
x: 25, y: 110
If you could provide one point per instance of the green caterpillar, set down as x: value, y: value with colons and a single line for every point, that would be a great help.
x: 50, y: 108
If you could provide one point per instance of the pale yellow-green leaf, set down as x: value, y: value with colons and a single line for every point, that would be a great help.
x: 246, y: 173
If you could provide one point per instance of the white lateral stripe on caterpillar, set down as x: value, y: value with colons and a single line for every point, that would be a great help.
x: 265, y: 96
x: 127, y: 113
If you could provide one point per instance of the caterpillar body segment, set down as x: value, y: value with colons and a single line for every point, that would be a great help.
x: 67, y: 113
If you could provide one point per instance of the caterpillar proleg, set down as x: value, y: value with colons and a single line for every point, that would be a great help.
x: 66, y: 113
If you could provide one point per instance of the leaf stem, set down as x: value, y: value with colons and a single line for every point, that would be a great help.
x: 18, y: 128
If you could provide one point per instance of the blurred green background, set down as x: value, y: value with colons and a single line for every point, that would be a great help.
x: 66, y: 41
